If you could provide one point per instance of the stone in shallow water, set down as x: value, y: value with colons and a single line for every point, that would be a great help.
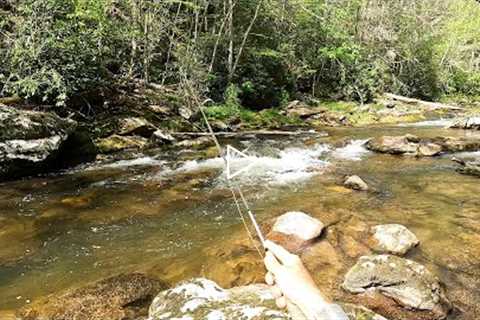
x: 295, y: 230
x: 356, y: 183
x: 393, y: 238
x: 298, y: 224
x: 116, y: 143
x: 204, y: 299
x: 407, y: 282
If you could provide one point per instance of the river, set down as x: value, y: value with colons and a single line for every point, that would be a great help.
x: 158, y: 212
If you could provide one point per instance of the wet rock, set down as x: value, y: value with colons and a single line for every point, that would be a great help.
x: 394, y: 144
x: 118, y: 298
x: 429, y: 150
x: 136, y: 126
x: 204, y: 299
x: 393, y: 238
x: 356, y: 183
x: 412, y: 145
x: 406, y: 282
x: 160, y: 137
x: 469, y: 167
x: 472, y: 123
x: 116, y: 143
x: 295, y: 230
x: 34, y: 142
x: 454, y: 144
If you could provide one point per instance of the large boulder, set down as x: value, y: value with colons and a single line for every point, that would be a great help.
x: 406, y: 282
x: 471, y: 123
x: 458, y: 144
x: 295, y: 230
x: 393, y: 238
x: 204, y: 299
x: 123, y: 297
x: 33, y: 142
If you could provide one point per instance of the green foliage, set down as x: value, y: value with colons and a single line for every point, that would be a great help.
x: 264, y: 55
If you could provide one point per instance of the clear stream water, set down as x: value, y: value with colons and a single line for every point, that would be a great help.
x: 157, y: 212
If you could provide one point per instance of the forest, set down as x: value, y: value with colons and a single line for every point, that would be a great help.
x: 55, y: 52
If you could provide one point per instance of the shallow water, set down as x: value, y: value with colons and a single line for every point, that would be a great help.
x: 61, y: 231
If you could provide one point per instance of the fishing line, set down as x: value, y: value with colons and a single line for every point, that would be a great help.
x: 238, y: 190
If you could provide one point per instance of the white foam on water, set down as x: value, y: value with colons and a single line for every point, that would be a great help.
x: 143, y: 161
x: 291, y: 165
x: 355, y: 150
x: 429, y: 123
x: 467, y: 155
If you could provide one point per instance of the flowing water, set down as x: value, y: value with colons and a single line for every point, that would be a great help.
x: 157, y: 212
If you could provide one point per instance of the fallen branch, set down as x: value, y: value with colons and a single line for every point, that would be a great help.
x: 427, y: 104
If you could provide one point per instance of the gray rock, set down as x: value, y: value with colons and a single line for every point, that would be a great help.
x: 136, y: 126
x: 469, y: 167
x: 471, y: 123
x: 415, y: 146
x: 204, y: 299
x: 356, y: 183
x: 393, y: 238
x: 160, y: 137
x: 197, y: 143
x: 406, y: 282
x: 33, y: 142
x: 185, y: 112
x: 393, y: 145
x: 298, y: 224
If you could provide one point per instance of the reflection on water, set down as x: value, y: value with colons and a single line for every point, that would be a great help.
x: 61, y: 231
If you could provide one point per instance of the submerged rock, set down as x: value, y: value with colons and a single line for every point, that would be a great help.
x: 33, y: 142
x: 407, y: 282
x: 116, y: 143
x: 122, y: 297
x: 204, y: 299
x: 295, y: 230
x: 472, y: 123
x: 356, y: 183
x: 393, y: 238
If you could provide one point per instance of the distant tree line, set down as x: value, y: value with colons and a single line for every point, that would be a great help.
x: 269, y: 50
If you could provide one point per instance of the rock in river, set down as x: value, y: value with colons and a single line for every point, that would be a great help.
x: 393, y: 238
x: 356, y: 183
x: 472, y: 123
x: 204, y: 299
x: 407, y: 282
x: 33, y: 142
x: 295, y: 230
x: 123, y: 297
x: 415, y: 146
x: 469, y: 167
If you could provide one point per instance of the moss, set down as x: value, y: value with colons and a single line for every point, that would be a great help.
x: 340, y: 106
